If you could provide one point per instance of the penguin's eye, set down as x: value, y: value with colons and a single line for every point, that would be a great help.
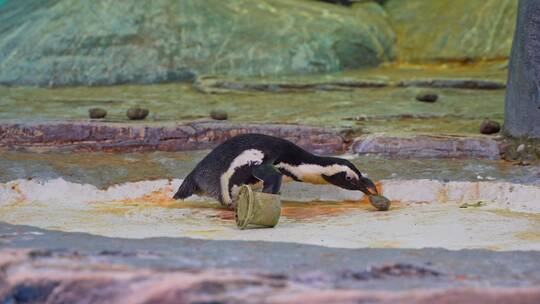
x: 348, y: 177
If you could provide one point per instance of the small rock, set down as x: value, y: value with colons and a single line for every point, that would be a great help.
x: 137, y: 113
x: 97, y: 113
x: 427, y: 97
x: 380, y: 202
x: 490, y: 127
x: 219, y: 115
x: 520, y: 148
x: 524, y: 162
x: 473, y: 205
x: 341, y: 2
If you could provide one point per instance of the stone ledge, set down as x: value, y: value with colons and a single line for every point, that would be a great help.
x: 472, y: 84
x: 217, y: 85
x: 121, y: 137
x: 428, y: 146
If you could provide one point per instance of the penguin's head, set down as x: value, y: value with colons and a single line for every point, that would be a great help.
x: 345, y: 175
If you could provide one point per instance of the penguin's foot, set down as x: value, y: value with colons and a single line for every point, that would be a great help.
x: 231, y: 206
x: 270, y: 177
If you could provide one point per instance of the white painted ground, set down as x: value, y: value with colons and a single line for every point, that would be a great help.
x: 428, y: 214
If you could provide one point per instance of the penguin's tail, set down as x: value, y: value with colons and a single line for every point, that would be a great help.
x: 188, y: 188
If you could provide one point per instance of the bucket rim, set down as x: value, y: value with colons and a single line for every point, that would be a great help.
x: 243, y: 223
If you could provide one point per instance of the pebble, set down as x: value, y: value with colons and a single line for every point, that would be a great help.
x: 380, y: 202
x: 474, y: 205
x: 520, y: 148
x: 137, y: 113
x: 490, y: 127
x: 524, y: 162
x: 219, y: 115
x: 97, y: 113
x: 427, y: 97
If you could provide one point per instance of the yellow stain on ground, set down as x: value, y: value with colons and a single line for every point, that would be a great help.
x: 163, y: 198
x: 385, y: 244
x: 207, y: 234
x: 532, y: 234
x: 305, y: 211
x: 298, y: 211
x: 112, y: 209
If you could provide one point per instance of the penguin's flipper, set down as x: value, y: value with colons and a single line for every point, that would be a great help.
x: 270, y: 177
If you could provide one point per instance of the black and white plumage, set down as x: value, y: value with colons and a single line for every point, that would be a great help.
x: 254, y: 158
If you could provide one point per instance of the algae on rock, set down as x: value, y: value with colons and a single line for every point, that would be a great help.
x: 104, y: 42
x: 452, y: 30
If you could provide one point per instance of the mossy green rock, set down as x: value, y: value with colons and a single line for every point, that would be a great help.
x: 452, y: 30
x: 102, y: 42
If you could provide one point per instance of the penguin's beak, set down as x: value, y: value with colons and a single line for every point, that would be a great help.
x: 367, y: 186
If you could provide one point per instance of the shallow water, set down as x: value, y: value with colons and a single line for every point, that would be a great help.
x: 105, y: 169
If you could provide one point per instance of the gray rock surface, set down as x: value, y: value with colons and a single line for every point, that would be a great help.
x: 427, y: 146
x: 103, y: 42
x: 522, y: 108
x: 41, y: 265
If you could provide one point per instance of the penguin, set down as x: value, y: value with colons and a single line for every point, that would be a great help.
x: 255, y: 159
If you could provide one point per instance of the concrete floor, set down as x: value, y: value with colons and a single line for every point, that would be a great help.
x: 425, y: 213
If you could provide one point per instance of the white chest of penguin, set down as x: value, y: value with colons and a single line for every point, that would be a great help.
x: 246, y: 158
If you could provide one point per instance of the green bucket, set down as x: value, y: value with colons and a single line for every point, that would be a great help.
x: 257, y: 209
